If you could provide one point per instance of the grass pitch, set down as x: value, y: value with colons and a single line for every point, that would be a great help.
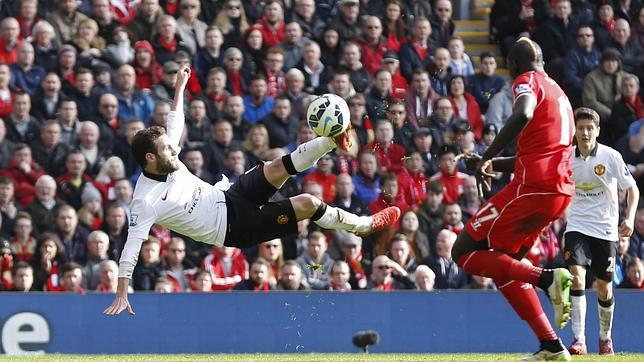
x: 310, y: 357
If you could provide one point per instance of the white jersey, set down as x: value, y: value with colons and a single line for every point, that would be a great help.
x: 182, y: 203
x: 594, y: 210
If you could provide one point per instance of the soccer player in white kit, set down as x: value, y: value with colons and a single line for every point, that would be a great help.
x: 238, y: 215
x: 592, y: 230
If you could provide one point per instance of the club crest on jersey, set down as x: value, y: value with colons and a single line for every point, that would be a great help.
x: 133, y: 219
x: 522, y: 88
x: 600, y: 170
x: 282, y: 219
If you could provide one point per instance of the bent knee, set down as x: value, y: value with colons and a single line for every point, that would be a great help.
x: 305, y: 205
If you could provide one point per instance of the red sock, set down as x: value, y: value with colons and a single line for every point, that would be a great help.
x: 499, y: 266
x: 525, y: 302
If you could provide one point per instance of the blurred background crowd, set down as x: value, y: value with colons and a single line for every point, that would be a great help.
x: 79, y: 78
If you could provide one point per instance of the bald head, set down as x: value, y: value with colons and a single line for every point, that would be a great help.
x: 524, y: 56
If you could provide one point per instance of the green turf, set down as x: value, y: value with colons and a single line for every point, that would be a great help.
x: 304, y: 357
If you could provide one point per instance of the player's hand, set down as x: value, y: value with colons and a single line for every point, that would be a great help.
x: 471, y: 160
x: 484, y: 174
x: 626, y: 228
x: 118, y: 305
x: 183, y: 75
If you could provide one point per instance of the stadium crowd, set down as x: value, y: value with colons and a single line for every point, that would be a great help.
x: 79, y: 78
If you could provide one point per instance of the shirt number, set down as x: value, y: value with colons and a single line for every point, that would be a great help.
x: 566, y: 124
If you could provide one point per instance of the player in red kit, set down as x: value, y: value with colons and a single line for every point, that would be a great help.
x: 505, y: 228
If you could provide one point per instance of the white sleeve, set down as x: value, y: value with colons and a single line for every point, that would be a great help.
x: 621, y: 172
x: 142, y: 219
x: 176, y: 124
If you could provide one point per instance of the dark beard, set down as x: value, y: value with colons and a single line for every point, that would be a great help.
x: 165, y: 167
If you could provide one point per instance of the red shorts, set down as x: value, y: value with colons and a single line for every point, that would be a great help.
x: 515, y: 216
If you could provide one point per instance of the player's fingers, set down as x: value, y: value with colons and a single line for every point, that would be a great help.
x: 129, y: 309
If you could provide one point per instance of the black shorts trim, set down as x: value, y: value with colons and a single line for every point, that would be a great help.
x: 588, y: 251
x: 252, y: 219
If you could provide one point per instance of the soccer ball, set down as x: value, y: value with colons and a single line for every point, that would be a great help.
x: 328, y: 115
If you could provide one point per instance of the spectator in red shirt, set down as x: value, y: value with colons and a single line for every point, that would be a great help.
x: 23, y: 245
x: 272, y: 23
x: 47, y: 259
x: 148, y: 71
x: 360, y: 266
x: 6, y: 97
x: 372, y: 45
x: 227, y: 267
x: 387, y: 275
x: 465, y: 105
x: 399, y: 84
x: 416, y: 53
x: 449, y: 175
x: 24, y: 172
x: 394, y: 25
x: 412, y: 180
x: 9, y: 40
x: 275, y: 77
x: 27, y: 18
x: 389, y: 154
x: 389, y: 196
x: 259, y: 280
x: 324, y: 176
x: 71, y: 275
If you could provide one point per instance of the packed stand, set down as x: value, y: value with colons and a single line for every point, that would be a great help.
x: 78, y: 79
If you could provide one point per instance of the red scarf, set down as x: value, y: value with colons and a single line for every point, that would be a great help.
x: 23, y: 252
x: 530, y: 23
x: 387, y: 287
x: 170, y: 45
x: 421, y: 49
x: 636, y: 106
x: 235, y: 81
x: 609, y: 25
x: 263, y: 288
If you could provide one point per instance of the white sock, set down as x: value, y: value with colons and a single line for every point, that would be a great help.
x: 605, y: 319
x: 578, y: 317
x: 308, y: 153
x: 335, y: 218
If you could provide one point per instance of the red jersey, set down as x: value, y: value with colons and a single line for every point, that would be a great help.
x: 544, y: 146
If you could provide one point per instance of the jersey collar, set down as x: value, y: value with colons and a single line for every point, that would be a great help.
x: 592, y: 153
x: 160, y: 178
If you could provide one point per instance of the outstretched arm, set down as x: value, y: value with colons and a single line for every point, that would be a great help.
x: 141, y: 220
x: 176, y: 118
